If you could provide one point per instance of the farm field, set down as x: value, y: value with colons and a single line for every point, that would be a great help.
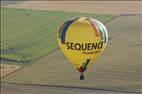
x: 31, y: 34
x: 117, y: 69
x: 98, y: 7
x: 28, y: 45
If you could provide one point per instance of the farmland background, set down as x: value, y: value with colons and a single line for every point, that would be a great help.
x: 28, y: 40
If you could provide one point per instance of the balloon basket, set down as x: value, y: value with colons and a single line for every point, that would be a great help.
x: 81, y: 76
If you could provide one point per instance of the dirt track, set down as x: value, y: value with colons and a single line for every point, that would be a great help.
x: 98, y: 7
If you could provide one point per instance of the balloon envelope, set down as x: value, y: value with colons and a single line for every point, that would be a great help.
x: 82, y: 40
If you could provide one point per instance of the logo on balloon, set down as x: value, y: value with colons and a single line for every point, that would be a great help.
x: 82, y: 40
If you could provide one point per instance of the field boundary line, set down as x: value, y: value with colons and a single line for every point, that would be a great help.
x: 71, y: 87
x: 30, y: 63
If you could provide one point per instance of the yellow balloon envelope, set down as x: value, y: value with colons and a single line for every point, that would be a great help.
x: 82, y: 40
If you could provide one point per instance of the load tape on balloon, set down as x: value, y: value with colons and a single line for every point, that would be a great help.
x: 82, y: 40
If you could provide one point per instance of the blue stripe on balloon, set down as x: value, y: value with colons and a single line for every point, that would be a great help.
x: 65, y: 30
x: 104, y: 35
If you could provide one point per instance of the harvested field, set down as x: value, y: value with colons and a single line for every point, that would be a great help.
x: 5, y: 69
x: 97, y: 7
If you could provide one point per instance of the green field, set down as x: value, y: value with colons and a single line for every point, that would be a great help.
x: 27, y: 35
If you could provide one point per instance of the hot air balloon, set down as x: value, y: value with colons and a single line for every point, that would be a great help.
x: 82, y: 40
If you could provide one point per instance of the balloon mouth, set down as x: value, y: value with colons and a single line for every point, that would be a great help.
x: 84, y: 66
x: 81, y: 69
